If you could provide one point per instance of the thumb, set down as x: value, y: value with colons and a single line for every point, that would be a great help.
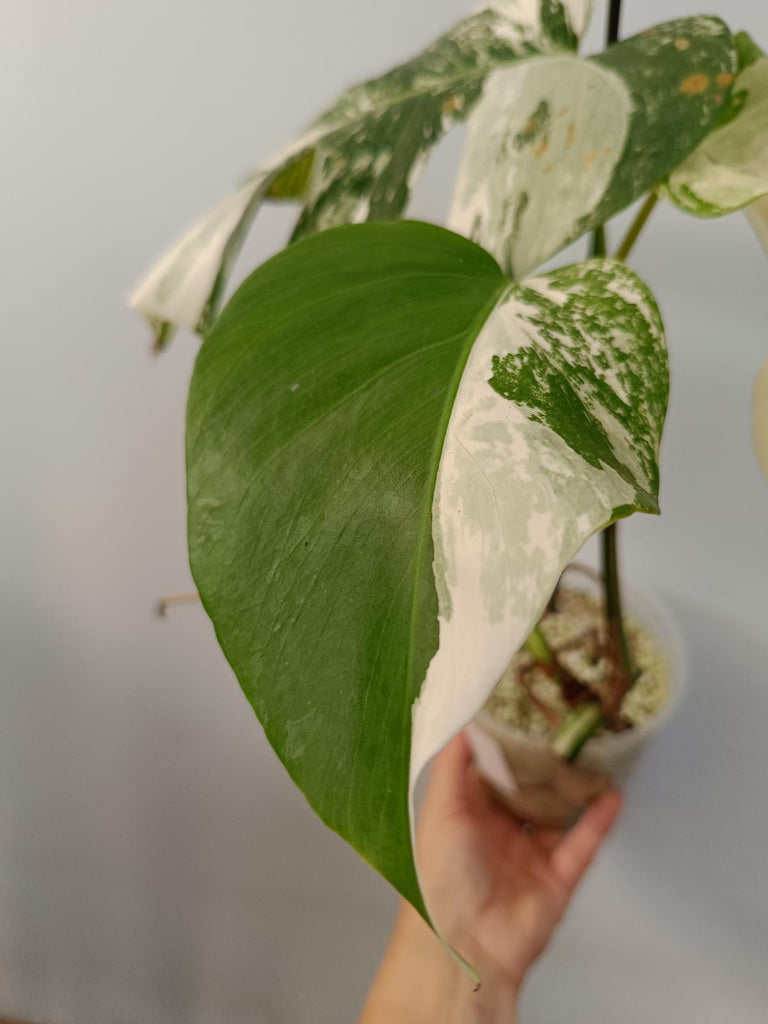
x: 576, y: 850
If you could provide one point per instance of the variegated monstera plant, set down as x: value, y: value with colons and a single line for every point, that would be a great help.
x: 397, y: 437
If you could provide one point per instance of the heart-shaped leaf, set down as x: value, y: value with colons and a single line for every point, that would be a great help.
x: 360, y: 158
x: 392, y: 452
x: 557, y: 147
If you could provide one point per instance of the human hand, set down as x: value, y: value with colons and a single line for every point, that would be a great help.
x: 496, y: 888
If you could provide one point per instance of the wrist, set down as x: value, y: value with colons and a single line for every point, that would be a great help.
x: 422, y: 982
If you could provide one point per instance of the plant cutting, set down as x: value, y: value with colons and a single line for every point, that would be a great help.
x: 399, y: 435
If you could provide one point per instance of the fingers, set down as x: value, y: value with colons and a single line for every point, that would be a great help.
x: 574, y: 853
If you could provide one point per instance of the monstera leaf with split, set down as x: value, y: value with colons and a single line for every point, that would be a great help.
x: 392, y: 452
x: 360, y: 158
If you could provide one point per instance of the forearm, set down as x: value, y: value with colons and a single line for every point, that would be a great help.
x: 420, y: 982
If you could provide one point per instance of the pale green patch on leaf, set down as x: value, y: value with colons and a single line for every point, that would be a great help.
x: 383, y: 490
x: 729, y: 169
x: 634, y: 112
x: 359, y: 159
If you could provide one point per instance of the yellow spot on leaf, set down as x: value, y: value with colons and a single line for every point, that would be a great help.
x: 452, y: 103
x: 547, y: 169
x: 682, y: 44
x: 587, y: 159
x: 570, y: 135
x: 541, y: 147
x: 724, y: 79
x: 694, y: 85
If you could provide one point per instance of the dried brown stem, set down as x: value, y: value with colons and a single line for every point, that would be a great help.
x: 164, y: 603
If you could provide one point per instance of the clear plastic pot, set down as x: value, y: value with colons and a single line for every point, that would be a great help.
x: 542, y: 788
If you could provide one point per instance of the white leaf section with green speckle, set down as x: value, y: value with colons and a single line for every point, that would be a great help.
x: 555, y: 432
x: 540, y: 154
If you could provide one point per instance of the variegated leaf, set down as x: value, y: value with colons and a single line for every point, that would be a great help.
x: 359, y: 159
x: 728, y: 172
x: 553, y: 151
x: 729, y: 169
x: 392, y: 452
x: 184, y: 286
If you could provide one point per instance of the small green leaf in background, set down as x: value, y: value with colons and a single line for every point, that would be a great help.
x: 359, y: 159
x: 382, y: 491
x: 633, y: 113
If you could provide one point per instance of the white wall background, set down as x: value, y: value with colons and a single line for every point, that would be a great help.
x: 156, y: 865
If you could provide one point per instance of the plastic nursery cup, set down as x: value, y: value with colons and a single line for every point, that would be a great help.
x: 538, y: 785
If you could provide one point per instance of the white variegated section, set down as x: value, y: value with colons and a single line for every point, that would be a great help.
x: 179, y: 286
x: 513, y: 504
x: 541, y: 149
x: 760, y: 418
x: 730, y: 168
x: 579, y: 13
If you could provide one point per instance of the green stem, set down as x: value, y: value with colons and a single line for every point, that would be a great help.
x: 538, y: 646
x: 636, y: 227
x: 612, y: 591
x: 617, y: 637
x: 578, y: 726
x: 598, y: 241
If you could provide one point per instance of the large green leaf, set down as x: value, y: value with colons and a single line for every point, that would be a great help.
x: 359, y: 159
x: 557, y: 147
x: 729, y: 170
x: 392, y: 452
